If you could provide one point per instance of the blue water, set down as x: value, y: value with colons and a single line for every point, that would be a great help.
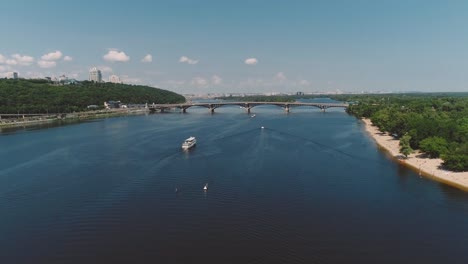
x: 310, y: 187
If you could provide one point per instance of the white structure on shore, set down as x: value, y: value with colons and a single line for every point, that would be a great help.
x: 114, y: 79
x: 95, y: 75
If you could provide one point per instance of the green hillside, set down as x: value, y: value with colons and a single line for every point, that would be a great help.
x: 40, y: 96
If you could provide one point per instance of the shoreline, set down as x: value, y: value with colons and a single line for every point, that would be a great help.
x: 427, y: 167
x: 87, y: 115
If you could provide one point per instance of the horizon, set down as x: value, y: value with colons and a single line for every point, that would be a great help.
x: 210, y: 47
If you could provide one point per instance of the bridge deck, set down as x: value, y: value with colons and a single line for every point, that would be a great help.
x: 247, y: 105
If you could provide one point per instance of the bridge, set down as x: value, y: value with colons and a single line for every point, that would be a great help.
x: 246, y: 105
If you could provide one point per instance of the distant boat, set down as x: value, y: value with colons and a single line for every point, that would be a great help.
x: 189, y: 142
x: 253, y: 115
x: 262, y: 127
x: 205, y: 188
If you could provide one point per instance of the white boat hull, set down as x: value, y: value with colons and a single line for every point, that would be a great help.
x: 189, y: 143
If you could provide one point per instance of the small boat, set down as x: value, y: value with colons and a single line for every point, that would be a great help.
x: 189, y: 142
x: 253, y: 115
x: 205, y: 188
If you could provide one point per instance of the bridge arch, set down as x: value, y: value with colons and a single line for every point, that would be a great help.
x: 246, y: 105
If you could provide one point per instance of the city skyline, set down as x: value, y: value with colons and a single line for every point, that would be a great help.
x: 240, y: 47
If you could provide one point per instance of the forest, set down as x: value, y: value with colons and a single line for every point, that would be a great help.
x: 436, y: 124
x: 26, y: 96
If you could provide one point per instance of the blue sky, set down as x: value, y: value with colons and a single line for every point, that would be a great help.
x: 243, y: 46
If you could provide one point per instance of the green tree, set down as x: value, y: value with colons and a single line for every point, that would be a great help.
x: 456, y: 158
x: 39, y: 96
x: 405, y: 147
x: 381, y: 119
x: 434, y: 146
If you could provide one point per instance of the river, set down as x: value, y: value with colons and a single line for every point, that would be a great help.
x: 310, y: 187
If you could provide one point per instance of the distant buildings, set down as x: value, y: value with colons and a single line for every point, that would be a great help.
x: 11, y: 75
x: 114, y: 79
x: 95, y: 75
x: 63, y: 78
x: 112, y: 104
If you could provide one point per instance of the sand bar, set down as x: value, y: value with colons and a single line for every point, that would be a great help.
x: 424, y: 166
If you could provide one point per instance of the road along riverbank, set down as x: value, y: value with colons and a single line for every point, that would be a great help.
x: 25, y: 121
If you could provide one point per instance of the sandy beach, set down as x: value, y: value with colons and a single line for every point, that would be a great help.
x: 424, y: 166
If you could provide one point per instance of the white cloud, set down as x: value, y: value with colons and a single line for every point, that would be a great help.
x: 251, y: 61
x: 216, y: 80
x: 2, y: 58
x: 67, y: 58
x: 187, y: 60
x: 129, y: 80
x: 11, y: 62
x: 147, y: 58
x: 116, y: 55
x: 52, y: 56
x: 34, y: 75
x: 46, y: 64
x: 8, y: 74
x: 280, y: 76
x: 304, y: 82
x: 105, y: 69
x: 22, y: 60
x: 199, y: 81
x: 5, y: 68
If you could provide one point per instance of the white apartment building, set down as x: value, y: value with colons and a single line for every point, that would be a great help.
x: 95, y: 75
x: 114, y: 79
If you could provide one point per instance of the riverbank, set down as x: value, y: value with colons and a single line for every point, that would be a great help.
x: 4, y: 123
x: 431, y: 168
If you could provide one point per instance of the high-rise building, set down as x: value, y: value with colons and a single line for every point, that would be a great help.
x: 114, y: 79
x: 12, y: 75
x: 95, y: 75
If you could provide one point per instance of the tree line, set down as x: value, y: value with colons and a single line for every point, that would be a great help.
x: 436, y: 124
x: 40, y: 96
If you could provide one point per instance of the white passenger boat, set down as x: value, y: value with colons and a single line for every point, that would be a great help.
x: 189, y: 142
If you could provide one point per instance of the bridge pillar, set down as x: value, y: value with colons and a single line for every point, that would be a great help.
x: 183, y: 110
x: 286, y: 108
x: 211, y: 109
x: 247, y: 108
x: 162, y: 110
x: 322, y: 108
